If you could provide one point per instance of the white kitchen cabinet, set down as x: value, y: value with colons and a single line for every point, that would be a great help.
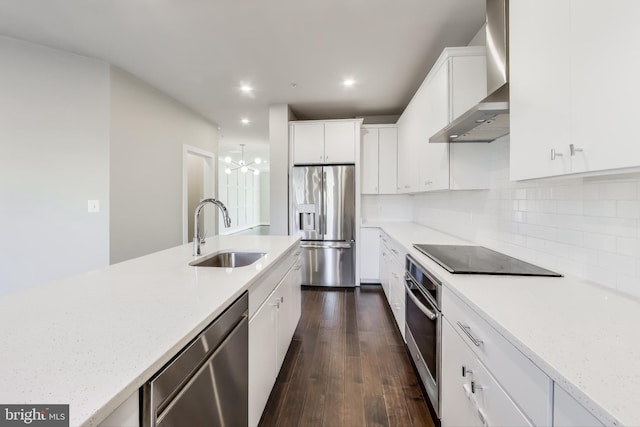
x: 572, y: 85
x: 379, y: 153
x: 320, y: 142
x: 470, y: 394
x: 567, y: 412
x: 525, y: 384
x: 408, y: 145
x: 384, y: 260
x: 456, y: 82
x: 272, y: 323
x: 369, y: 162
x: 308, y: 142
x: 393, y: 255
x: 388, y: 160
x: 369, y: 250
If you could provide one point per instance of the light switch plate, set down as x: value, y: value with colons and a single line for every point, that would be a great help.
x: 93, y: 206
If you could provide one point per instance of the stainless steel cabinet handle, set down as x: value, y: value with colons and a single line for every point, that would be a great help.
x: 573, y: 150
x: 467, y: 331
x: 555, y: 154
x: 333, y: 246
x: 466, y: 371
x: 431, y: 315
x: 475, y: 386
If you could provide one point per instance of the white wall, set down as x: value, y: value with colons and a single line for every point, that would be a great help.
x: 587, y: 227
x: 148, y: 130
x: 54, y: 156
x: 279, y: 116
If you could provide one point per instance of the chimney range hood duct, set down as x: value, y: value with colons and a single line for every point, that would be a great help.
x: 489, y: 119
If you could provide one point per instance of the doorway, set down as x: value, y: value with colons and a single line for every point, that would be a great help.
x: 198, y: 177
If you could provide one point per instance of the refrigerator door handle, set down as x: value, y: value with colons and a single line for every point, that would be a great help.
x: 332, y: 245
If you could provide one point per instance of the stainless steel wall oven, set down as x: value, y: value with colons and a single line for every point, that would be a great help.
x: 423, y: 326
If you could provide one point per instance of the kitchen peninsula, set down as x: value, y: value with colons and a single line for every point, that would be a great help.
x: 92, y: 340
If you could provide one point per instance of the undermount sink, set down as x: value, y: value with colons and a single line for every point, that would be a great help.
x: 228, y: 259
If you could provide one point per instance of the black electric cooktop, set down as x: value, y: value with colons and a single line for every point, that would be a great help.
x: 459, y: 259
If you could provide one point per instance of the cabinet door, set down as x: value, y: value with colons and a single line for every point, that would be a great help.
x: 284, y: 312
x: 308, y: 143
x: 388, y: 160
x: 396, y: 290
x: 605, y: 87
x: 384, y: 258
x: 369, y: 253
x: 468, y: 83
x: 567, y: 412
x: 458, y: 406
x: 262, y: 357
x: 434, y: 173
x: 369, y: 155
x: 340, y: 142
x: 408, y: 143
x: 540, y: 87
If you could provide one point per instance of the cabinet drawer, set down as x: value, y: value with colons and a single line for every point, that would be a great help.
x: 527, y: 385
x: 395, y: 249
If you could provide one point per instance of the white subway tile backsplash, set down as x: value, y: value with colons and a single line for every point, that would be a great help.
x: 603, y: 242
x: 618, y: 191
x: 628, y: 209
x: 569, y: 207
x: 599, y: 208
x: 628, y: 246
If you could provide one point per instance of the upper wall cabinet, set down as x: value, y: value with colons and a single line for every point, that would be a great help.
x: 574, y: 86
x: 456, y: 82
x: 379, y: 153
x: 320, y: 142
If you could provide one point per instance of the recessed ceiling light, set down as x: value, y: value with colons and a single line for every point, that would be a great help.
x: 246, y: 88
x: 348, y: 82
x: 245, y: 121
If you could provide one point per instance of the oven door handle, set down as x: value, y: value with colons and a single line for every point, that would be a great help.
x: 432, y: 315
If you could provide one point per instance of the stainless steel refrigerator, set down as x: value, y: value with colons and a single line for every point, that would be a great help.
x: 323, y: 215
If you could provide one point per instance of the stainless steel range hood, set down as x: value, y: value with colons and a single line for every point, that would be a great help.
x: 489, y: 119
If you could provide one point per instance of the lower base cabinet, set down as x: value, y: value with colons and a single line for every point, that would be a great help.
x: 470, y: 394
x: 271, y: 329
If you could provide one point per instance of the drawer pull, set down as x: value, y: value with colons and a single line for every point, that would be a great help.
x: 466, y: 371
x: 483, y: 418
x: 467, y: 331
x: 475, y: 387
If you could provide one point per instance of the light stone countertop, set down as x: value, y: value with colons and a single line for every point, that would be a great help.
x: 584, y: 336
x: 92, y: 340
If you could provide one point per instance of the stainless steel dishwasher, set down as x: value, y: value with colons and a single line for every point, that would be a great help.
x: 206, y: 384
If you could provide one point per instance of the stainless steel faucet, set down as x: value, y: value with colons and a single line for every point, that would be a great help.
x: 196, y: 222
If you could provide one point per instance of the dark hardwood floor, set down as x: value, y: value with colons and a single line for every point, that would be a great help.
x: 346, y: 366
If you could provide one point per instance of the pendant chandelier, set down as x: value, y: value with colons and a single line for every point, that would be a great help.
x: 244, y: 167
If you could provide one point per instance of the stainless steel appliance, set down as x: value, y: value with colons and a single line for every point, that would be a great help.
x: 323, y: 215
x: 207, y: 383
x: 423, y: 327
x: 471, y: 259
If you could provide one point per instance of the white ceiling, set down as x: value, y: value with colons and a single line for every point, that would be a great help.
x: 200, y: 51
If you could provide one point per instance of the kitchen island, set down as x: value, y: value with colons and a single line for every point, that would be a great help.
x: 92, y: 340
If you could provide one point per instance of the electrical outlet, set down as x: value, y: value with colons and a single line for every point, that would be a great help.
x: 93, y: 206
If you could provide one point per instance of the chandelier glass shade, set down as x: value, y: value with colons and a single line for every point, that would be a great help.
x: 244, y: 167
